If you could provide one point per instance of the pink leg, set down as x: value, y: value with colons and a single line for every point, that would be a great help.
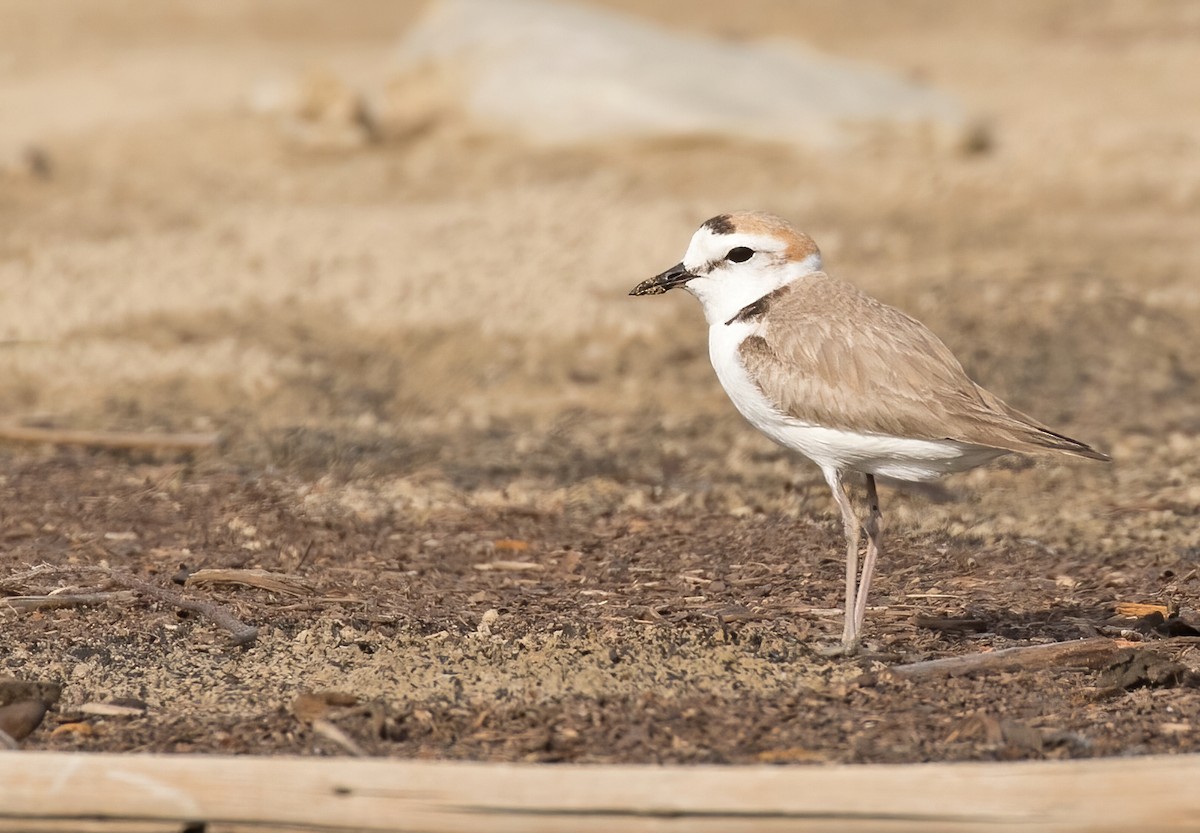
x: 851, y: 528
x: 874, y: 527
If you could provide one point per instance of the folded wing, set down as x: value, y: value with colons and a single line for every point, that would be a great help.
x: 831, y: 355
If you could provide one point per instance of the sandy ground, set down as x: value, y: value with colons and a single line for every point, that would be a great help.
x: 424, y: 368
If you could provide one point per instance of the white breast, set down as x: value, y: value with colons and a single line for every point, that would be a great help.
x: 901, y: 458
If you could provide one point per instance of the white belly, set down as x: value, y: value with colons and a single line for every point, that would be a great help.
x: 901, y: 458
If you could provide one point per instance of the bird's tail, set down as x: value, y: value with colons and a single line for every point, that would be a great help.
x: 1040, y: 438
x: 1053, y: 441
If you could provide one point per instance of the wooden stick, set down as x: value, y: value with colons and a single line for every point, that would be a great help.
x: 55, y: 791
x: 1094, y: 652
x: 14, y: 431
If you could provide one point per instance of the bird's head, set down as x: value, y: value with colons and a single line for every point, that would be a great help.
x: 735, y: 259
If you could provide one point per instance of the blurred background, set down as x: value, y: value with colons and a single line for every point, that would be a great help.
x: 392, y: 240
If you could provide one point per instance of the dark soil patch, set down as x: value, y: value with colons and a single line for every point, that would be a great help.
x: 560, y: 635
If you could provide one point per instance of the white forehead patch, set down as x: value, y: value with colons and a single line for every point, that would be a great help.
x: 768, y: 233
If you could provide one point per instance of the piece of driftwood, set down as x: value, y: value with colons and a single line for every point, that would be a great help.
x: 58, y: 791
x: 1094, y: 652
x: 15, y: 431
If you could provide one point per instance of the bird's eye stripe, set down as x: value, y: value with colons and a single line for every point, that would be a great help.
x: 740, y: 254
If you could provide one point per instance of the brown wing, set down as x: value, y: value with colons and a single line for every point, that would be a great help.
x: 831, y: 355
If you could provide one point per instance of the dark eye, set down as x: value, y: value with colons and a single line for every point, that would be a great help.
x: 740, y: 254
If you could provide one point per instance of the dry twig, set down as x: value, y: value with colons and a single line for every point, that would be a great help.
x: 262, y: 579
x: 328, y: 730
x: 1091, y: 653
x: 509, y: 566
x: 14, y: 431
x: 65, y: 600
x: 242, y: 633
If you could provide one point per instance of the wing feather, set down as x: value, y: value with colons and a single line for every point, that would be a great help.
x: 828, y: 354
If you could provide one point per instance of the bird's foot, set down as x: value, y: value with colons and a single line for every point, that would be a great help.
x: 841, y: 649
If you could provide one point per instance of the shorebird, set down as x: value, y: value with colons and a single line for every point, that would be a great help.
x: 854, y: 385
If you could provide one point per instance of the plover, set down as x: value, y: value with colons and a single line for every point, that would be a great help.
x: 852, y: 384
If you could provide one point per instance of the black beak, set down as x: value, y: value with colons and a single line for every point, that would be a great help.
x: 677, y: 275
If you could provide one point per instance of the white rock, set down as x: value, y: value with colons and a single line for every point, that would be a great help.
x: 554, y: 72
